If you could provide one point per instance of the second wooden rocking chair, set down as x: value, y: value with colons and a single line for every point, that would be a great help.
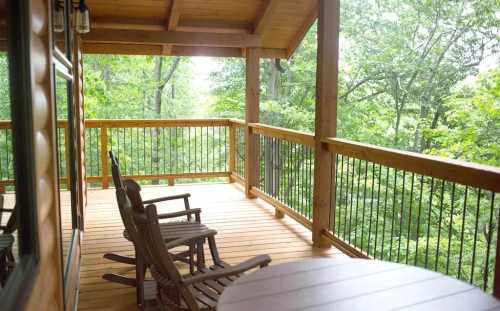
x: 169, y: 230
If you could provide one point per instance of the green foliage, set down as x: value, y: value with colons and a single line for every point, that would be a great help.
x: 123, y: 87
x: 471, y: 125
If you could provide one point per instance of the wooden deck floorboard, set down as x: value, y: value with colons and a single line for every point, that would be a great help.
x: 245, y: 228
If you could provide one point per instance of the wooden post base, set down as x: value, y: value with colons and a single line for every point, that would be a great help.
x: 278, y: 213
x: 171, y: 181
x: 320, y: 241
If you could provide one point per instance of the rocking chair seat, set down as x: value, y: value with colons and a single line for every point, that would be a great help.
x: 174, y: 230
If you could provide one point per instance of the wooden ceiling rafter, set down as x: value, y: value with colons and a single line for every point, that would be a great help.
x: 172, y: 21
x: 299, y: 36
x: 265, y: 16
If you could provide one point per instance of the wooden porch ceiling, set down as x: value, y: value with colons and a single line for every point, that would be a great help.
x: 222, y: 28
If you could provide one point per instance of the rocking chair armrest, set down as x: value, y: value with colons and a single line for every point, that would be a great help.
x: 257, y: 261
x: 169, y: 198
x: 190, y: 238
x: 195, y: 211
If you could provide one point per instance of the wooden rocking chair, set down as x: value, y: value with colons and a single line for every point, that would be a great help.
x: 170, y: 231
x: 194, y: 291
x: 7, y: 260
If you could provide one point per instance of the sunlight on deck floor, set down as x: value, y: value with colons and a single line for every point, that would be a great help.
x: 245, y: 228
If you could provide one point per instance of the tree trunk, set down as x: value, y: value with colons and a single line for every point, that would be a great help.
x: 160, y: 86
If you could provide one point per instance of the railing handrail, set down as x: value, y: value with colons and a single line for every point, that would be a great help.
x: 466, y: 173
x: 300, y: 137
x: 132, y: 123
x: 128, y: 123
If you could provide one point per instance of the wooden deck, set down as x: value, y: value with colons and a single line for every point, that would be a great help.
x: 245, y: 228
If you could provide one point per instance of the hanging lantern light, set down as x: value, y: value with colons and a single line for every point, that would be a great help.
x: 82, y: 18
x: 58, y: 18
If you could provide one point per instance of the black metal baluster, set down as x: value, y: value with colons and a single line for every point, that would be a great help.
x: 439, y: 225
x: 371, y: 212
x: 357, y: 205
x: 429, y: 223
x: 488, y: 246
x: 452, y: 199
x: 474, y: 246
x: 352, y: 198
x: 418, y: 217
x: 409, y: 218
x: 393, y: 211
x: 309, y: 184
x: 213, y: 149
x: 208, y: 152
x: 1, y: 159
x: 402, y: 215
x: 195, y: 151
x: 338, y: 206
x: 346, y: 199
x: 289, y: 170
x: 462, y: 235
x: 385, y: 212
x: 378, y: 205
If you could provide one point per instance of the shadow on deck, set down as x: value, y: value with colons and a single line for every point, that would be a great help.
x: 245, y: 228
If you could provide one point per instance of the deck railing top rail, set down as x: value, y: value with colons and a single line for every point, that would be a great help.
x: 466, y: 173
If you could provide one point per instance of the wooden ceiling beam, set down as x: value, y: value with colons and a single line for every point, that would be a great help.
x: 214, y: 26
x: 99, y: 22
x: 173, y: 37
x: 299, y: 36
x: 151, y: 49
x: 265, y: 16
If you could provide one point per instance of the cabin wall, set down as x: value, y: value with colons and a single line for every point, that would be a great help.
x: 47, y: 290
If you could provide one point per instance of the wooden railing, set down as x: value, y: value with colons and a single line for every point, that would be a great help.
x: 387, y: 204
x: 159, y: 149
x: 156, y: 150
x: 427, y: 211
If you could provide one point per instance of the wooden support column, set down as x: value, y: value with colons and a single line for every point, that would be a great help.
x: 326, y: 117
x: 251, y: 116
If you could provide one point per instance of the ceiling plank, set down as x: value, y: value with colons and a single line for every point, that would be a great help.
x: 299, y: 36
x: 173, y: 37
x: 264, y: 17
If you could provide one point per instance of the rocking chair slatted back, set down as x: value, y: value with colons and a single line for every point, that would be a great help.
x: 131, y: 187
x: 147, y: 231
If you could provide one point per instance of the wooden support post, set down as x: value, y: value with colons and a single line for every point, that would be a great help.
x: 104, y: 157
x: 232, y: 151
x: 171, y: 181
x: 252, y: 116
x: 326, y: 117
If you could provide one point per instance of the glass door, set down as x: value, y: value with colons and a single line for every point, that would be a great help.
x: 66, y: 147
